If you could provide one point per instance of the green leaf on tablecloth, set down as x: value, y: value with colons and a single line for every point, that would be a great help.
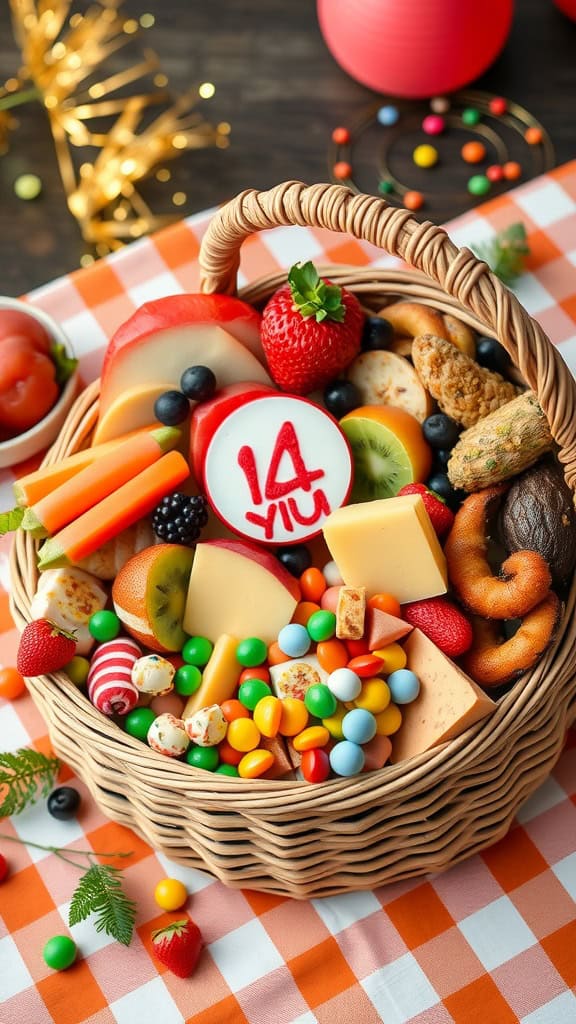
x: 11, y: 520
x: 100, y: 892
x: 25, y: 775
x: 506, y: 253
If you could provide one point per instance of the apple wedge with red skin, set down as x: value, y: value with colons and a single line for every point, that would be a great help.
x: 207, y: 417
x: 165, y: 336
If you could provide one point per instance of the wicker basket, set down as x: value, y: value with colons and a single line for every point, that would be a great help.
x: 292, y: 838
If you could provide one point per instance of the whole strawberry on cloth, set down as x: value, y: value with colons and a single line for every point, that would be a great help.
x: 178, y: 946
x: 311, y: 331
x: 43, y: 648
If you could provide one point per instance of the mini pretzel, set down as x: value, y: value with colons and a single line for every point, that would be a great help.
x: 492, y: 660
x: 524, y: 578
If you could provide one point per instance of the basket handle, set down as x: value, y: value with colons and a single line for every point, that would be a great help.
x: 424, y: 246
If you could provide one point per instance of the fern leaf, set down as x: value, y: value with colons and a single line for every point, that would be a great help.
x: 25, y: 775
x: 100, y: 892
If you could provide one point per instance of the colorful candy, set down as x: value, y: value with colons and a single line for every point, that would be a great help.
x: 315, y: 765
x: 346, y: 758
x: 251, y: 652
x: 153, y: 674
x: 294, y: 716
x: 138, y: 722
x: 12, y: 683
x: 243, y: 734
x: 207, y: 727
x: 187, y: 680
x: 251, y: 692
x: 313, y: 736
x: 345, y: 684
x: 404, y: 686
x: 170, y: 894
x: 206, y: 758
x: 331, y: 574
x: 433, y: 124
x: 104, y: 625
x: 294, y: 640
x: 167, y: 735
x: 387, y: 115
x: 320, y: 701
x: 321, y: 626
x: 197, y: 651
x: 268, y: 715
x: 473, y: 152
x: 359, y: 726
x: 332, y: 654
x: 255, y: 763
x: 110, y: 686
x: 425, y: 156
x: 375, y: 696
x: 59, y: 952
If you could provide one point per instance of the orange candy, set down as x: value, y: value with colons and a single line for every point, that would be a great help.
x: 12, y: 683
x: 533, y: 136
x: 342, y: 169
x: 512, y: 170
x: 332, y: 654
x: 303, y: 611
x: 294, y: 716
x: 312, y: 584
x: 473, y: 152
x: 310, y: 738
x: 259, y: 672
x: 232, y: 709
x: 386, y: 603
x: 275, y: 655
x: 413, y: 200
x: 228, y: 755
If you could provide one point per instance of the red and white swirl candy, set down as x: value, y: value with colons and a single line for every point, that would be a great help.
x: 110, y: 686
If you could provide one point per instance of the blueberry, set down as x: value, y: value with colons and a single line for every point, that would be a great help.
x: 442, y: 457
x: 492, y: 355
x: 171, y: 408
x: 295, y: 559
x: 198, y: 383
x: 377, y: 333
x: 440, y: 483
x: 63, y: 802
x: 440, y: 430
x: 340, y: 397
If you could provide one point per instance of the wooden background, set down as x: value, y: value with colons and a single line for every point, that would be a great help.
x: 282, y: 92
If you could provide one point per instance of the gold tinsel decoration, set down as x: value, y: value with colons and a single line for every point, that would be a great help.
x: 65, y: 56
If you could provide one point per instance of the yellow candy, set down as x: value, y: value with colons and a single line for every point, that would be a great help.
x: 267, y: 715
x: 374, y: 695
x: 255, y: 763
x: 393, y: 657
x: 294, y: 716
x: 243, y: 734
x: 334, y: 723
x: 312, y: 737
x: 425, y: 155
x: 389, y: 721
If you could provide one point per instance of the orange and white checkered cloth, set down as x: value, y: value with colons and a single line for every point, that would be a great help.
x: 490, y: 941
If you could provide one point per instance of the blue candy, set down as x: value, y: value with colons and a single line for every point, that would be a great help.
x: 346, y: 758
x: 387, y: 116
x: 294, y: 640
x: 359, y: 726
x: 404, y: 686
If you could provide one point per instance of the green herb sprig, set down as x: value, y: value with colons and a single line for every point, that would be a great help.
x: 506, y: 253
x: 25, y: 776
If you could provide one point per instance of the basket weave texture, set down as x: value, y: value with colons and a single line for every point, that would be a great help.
x: 288, y: 837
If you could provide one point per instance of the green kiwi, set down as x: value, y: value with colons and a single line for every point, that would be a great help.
x: 166, y: 595
x: 381, y: 463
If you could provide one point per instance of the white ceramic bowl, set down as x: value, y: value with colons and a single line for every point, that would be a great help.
x: 43, y: 433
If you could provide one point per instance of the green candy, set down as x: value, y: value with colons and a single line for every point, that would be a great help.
x: 59, y: 952
x: 471, y: 116
x: 251, y: 691
x: 187, y: 680
x: 138, y: 721
x: 320, y: 701
x: 251, y: 652
x: 104, y: 625
x: 227, y: 769
x: 321, y: 626
x: 385, y: 188
x: 197, y: 651
x: 77, y: 670
x: 203, y: 757
x: 478, y: 185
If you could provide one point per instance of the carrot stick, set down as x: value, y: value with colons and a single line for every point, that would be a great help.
x: 95, y: 482
x: 36, y: 485
x: 127, y: 505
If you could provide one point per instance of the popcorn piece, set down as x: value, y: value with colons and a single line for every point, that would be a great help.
x: 207, y: 727
x: 168, y: 736
x: 350, y: 613
x: 69, y: 597
x: 153, y: 674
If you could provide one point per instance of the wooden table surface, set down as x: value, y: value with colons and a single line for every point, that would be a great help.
x: 282, y: 93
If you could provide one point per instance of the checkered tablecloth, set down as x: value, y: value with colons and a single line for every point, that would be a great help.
x: 490, y: 942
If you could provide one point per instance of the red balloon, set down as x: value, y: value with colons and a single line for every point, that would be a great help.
x: 416, y: 48
x: 568, y: 7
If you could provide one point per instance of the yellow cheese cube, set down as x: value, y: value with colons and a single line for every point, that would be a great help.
x: 388, y: 546
x: 448, y: 703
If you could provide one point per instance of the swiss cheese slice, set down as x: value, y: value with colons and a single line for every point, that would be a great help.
x: 388, y: 546
x: 448, y: 703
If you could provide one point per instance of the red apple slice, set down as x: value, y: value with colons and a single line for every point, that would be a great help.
x: 164, y: 337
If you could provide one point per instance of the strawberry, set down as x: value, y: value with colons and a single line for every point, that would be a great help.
x: 441, y: 516
x: 44, y: 647
x: 442, y: 622
x: 178, y: 946
x: 311, y: 330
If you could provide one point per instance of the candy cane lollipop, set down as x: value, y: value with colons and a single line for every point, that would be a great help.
x: 110, y: 686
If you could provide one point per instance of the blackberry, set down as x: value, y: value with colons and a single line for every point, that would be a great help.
x: 179, y: 518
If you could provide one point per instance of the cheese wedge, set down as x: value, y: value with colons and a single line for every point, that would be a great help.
x: 219, y: 678
x: 384, y: 629
x: 448, y: 703
x: 388, y: 546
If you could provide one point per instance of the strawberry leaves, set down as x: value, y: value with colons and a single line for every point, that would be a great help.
x: 313, y: 297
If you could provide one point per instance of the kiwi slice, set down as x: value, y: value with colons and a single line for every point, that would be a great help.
x: 167, y: 588
x: 381, y: 463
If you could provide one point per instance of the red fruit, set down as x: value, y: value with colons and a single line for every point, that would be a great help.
x: 311, y: 330
x: 28, y: 387
x: 3, y: 867
x: 178, y: 946
x: 441, y: 516
x: 442, y: 622
x: 44, y: 647
x: 13, y: 321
